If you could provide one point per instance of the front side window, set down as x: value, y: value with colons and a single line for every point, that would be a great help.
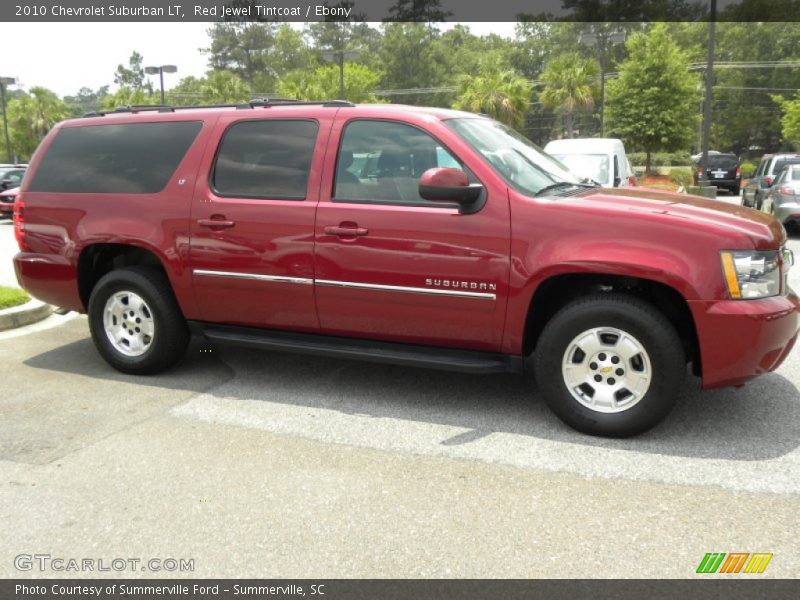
x: 520, y: 162
x: 589, y: 166
x: 382, y: 161
x: 266, y: 159
x: 135, y: 158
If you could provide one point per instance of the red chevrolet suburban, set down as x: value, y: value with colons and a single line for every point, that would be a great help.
x: 417, y: 236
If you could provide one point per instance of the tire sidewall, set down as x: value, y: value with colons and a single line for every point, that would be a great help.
x: 660, y: 342
x: 130, y: 280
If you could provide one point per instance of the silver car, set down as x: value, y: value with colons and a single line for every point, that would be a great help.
x: 783, y: 198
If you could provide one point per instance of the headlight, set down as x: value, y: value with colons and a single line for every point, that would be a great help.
x: 751, y: 274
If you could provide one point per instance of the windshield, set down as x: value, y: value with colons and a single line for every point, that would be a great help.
x: 591, y: 166
x: 519, y: 161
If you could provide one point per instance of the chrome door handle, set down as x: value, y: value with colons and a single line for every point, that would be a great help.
x: 216, y: 223
x: 346, y: 231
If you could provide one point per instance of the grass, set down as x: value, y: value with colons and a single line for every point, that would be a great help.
x: 12, y: 297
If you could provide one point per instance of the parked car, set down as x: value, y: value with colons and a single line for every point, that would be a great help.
x: 409, y: 235
x: 724, y: 171
x: 783, y: 198
x: 11, y: 176
x: 757, y: 186
x: 602, y: 160
x: 7, y: 198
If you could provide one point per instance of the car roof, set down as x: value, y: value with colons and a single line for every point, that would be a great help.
x: 132, y: 114
x: 585, y: 144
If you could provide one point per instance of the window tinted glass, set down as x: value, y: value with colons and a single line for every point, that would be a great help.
x: 762, y: 167
x: 382, y: 162
x: 725, y: 161
x: 266, y: 159
x: 589, y: 166
x: 136, y: 158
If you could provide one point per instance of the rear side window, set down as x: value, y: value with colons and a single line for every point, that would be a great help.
x: 782, y: 162
x: 136, y: 158
x: 265, y: 159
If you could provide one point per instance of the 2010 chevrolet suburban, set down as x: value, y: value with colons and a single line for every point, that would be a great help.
x: 398, y: 234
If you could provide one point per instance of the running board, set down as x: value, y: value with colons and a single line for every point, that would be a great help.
x: 448, y: 359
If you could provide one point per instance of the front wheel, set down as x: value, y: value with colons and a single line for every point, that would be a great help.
x: 610, y: 365
x: 135, y: 321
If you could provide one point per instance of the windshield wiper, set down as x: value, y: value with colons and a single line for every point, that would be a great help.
x: 560, y: 184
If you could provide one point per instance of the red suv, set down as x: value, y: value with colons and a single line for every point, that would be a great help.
x: 417, y: 236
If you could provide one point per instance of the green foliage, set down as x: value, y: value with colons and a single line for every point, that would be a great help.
x: 126, y: 96
x: 246, y: 49
x: 221, y: 87
x: 131, y: 76
x: 653, y: 105
x: 681, y: 176
x: 790, y: 121
x: 748, y: 168
x: 503, y: 95
x: 570, y: 86
x: 30, y: 117
x: 323, y: 83
x: 85, y: 101
x: 661, y: 159
x: 12, y: 297
x: 418, y: 10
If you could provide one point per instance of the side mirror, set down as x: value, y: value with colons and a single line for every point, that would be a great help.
x: 443, y: 184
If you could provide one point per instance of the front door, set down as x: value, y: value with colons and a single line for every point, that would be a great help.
x: 393, y: 266
x: 251, y: 250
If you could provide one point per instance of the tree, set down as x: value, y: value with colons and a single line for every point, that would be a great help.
x: 30, y: 117
x: 420, y: 11
x: 654, y: 103
x: 223, y: 87
x: 360, y: 82
x: 503, y: 95
x: 246, y: 50
x: 85, y: 101
x: 570, y: 86
x: 790, y: 121
x: 131, y: 76
x: 126, y: 96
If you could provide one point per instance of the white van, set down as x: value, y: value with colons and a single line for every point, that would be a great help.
x: 600, y: 159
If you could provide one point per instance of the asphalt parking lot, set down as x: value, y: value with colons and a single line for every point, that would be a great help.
x: 271, y: 465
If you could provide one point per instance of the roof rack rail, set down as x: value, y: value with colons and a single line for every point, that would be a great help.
x: 254, y: 103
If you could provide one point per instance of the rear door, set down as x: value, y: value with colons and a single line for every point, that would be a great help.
x: 393, y: 266
x: 253, y: 218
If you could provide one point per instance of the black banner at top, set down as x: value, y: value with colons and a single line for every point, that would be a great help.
x: 398, y: 10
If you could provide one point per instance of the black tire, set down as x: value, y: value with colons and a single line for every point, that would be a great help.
x: 170, y: 336
x: 630, y: 315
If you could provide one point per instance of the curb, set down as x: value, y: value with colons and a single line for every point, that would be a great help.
x: 24, y: 314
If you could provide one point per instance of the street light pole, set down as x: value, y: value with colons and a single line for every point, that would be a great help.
x: 709, y: 88
x: 4, y: 81
x: 161, y: 70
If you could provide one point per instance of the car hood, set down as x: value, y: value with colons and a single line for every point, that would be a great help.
x: 765, y: 231
x: 10, y: 192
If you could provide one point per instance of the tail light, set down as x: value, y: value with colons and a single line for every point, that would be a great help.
x: 700, y: 171
x: 786, y: 190
x: 631, y: 180
x: 19, y: 224
x: 768, y: 179
x: 738, y: 171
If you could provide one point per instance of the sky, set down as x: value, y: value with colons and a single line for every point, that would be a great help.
x: 64, y: 57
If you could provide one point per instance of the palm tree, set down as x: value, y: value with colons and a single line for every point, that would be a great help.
x: 30, y: 117
x: 503, y: 95
x: 570, y: 85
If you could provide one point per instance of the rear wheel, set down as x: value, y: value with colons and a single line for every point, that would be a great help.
x: 135, y: 321
x: 610, y: 365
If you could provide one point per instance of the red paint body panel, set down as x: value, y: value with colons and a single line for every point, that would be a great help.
x: 508, y: 249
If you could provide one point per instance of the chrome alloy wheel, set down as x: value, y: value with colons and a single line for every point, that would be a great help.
x: 128, y: 323
x: 606, y: 369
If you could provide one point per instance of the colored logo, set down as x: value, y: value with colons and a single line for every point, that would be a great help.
x: 734, y: 562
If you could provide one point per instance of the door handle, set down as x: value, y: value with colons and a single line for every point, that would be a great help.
x: 346, y: 231
x: 218, y: 223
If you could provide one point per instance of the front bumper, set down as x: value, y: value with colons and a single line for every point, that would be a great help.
x: 741, y: 339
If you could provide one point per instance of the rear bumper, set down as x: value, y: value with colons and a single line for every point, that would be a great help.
x: 50, y: 278
x: 741, y: 339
